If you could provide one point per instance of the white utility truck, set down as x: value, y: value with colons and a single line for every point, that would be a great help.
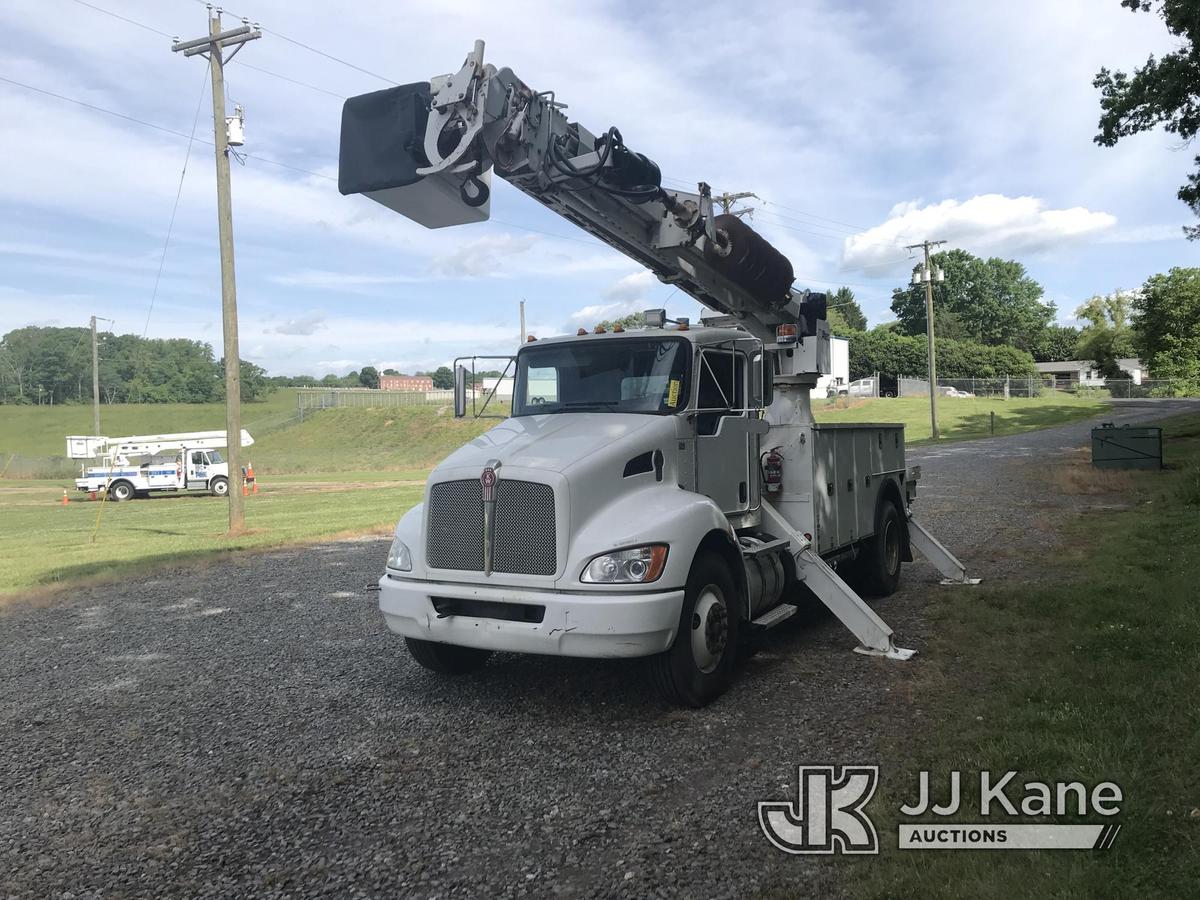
x: 149, y: 463
x: 661, y: 492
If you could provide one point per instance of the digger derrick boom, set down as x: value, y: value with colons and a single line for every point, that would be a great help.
x: 428, y: 150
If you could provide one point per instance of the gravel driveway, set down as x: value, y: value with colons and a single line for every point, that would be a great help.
x: 250, y: 728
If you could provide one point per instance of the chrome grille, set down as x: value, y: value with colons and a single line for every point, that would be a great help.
x: 524, y: 542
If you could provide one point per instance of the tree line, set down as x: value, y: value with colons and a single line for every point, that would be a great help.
x: 54, y: 365
x: 990, y: 319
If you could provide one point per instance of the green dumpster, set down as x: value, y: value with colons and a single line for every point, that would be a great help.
x: 1126, y: 447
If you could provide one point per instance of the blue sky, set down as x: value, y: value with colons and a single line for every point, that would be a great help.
x: 862, y: 126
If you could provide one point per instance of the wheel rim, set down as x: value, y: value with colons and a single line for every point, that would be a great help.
x: 710, y: 629
x: 891, y: 546
x: 220, y: 487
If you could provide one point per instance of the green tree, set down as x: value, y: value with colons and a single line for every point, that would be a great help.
x: 633, y: 320
x: 390, y: 372
x: 1057, y: 343
x: 443, y: 378
x: 1107, y: 336
x: 368, y: 377
x: 843, y: 304
x: 899, y: 354
x: 990, y: 301
x: 1166, y: 325
x: 1162, y: 92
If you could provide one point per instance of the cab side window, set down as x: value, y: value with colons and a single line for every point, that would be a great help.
x: 721, y: 388
x: 198, y: 458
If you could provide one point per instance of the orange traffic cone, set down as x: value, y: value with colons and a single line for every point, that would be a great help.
x: 245, y: 490
x: 256, y: 487
x: 91, y: 495
x: 65, y: 500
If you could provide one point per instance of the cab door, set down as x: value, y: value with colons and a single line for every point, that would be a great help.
x: 727, y: 431
x: 197, y: 469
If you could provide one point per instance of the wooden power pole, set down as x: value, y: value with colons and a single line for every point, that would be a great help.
x: 95, y: 381
x: 726, y: 201
x: 928, y: 275
x: 213, y: 48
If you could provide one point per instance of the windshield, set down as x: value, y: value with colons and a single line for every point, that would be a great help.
x: 215, y: 457
x: 615, y: 375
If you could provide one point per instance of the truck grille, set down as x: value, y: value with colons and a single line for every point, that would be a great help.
x: 525, y: 542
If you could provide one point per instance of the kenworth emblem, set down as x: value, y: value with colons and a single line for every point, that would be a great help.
x: 488, y: 480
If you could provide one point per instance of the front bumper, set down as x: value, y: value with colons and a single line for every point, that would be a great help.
x: 598, y: 624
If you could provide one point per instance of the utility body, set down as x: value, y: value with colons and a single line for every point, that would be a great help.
x: 142, y: 464
x: 661, y: 492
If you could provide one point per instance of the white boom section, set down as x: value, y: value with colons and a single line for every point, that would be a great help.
x: 93, y: 446
x: 934, y: 551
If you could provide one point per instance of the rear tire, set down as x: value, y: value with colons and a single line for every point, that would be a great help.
x: 219, y: 486
x: 446, y: 659
x: 699, y: 666
x: 120, y: 491
x: 879, y: 564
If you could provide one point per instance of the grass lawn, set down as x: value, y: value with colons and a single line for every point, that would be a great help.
x: 43, y: 543
x: 1088, y: 674
x: 961, y: 418
x: 41, y: 430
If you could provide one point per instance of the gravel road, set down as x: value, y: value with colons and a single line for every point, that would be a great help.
x: 249, y: 728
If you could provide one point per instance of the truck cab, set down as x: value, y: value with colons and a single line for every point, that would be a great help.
x: 618, y: 512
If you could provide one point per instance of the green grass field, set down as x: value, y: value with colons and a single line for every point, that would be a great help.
x: 47, y: 544
x: 339, y: 471
x: 1086, y: 672
x: 962, y: 418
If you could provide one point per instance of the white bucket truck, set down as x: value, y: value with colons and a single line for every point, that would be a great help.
x: 660, y: 493
x: 142, y: 464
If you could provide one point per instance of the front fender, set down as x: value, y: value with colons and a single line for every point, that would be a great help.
x: 409, y: 529
x: 659, y: 514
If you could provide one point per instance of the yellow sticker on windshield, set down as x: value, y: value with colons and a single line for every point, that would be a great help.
x: 673, y: 393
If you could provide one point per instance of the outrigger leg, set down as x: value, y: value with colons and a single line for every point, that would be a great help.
x: 943, y: 560
x: 843, y: 602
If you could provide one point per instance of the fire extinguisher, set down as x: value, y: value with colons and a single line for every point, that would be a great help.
x: 772, y: 469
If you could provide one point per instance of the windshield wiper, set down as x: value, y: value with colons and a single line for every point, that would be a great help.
x: 589, y: 404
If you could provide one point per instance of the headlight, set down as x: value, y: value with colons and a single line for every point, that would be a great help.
x: 637, y: 565
x: 399, y: 557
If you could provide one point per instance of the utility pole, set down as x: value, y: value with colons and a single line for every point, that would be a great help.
x: 928, y: 275
x: 726, y: 200
x: 213, y: 48
x: 95, y: 381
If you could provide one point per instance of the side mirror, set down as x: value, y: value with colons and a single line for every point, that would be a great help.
x: 460, y: 391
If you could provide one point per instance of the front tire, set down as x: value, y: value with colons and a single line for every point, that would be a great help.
x: 699, y: 666
x: 446, y: 659
x: 219, y: 486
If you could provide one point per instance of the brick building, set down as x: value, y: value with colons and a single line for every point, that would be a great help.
x: 405, y: 383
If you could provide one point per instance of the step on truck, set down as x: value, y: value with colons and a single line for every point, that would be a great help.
x: 663, y: 492
x: 139, y: 465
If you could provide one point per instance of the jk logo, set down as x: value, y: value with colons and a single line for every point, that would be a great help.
x: 828, y: 814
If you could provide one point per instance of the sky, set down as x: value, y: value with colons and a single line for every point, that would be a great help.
x: 861, y: 126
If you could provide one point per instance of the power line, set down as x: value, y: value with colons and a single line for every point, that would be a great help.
x: 122, y: 18
x: 165, y: 34
x: 310, y: 49
x: 175, y: 208
x: 162, y: 128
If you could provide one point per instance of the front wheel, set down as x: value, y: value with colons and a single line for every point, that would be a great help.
x: 446, y: 659
x: 699, y: 666
x: 219, y: 486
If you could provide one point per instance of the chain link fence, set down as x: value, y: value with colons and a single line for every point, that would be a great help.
x: 1001, y: 387
x: 367, y: 398
x: 1128, y: 389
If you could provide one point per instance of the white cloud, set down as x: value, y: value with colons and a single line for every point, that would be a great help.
x: 988, y: 223
x: 632, y: 288
x: 306, y: 325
